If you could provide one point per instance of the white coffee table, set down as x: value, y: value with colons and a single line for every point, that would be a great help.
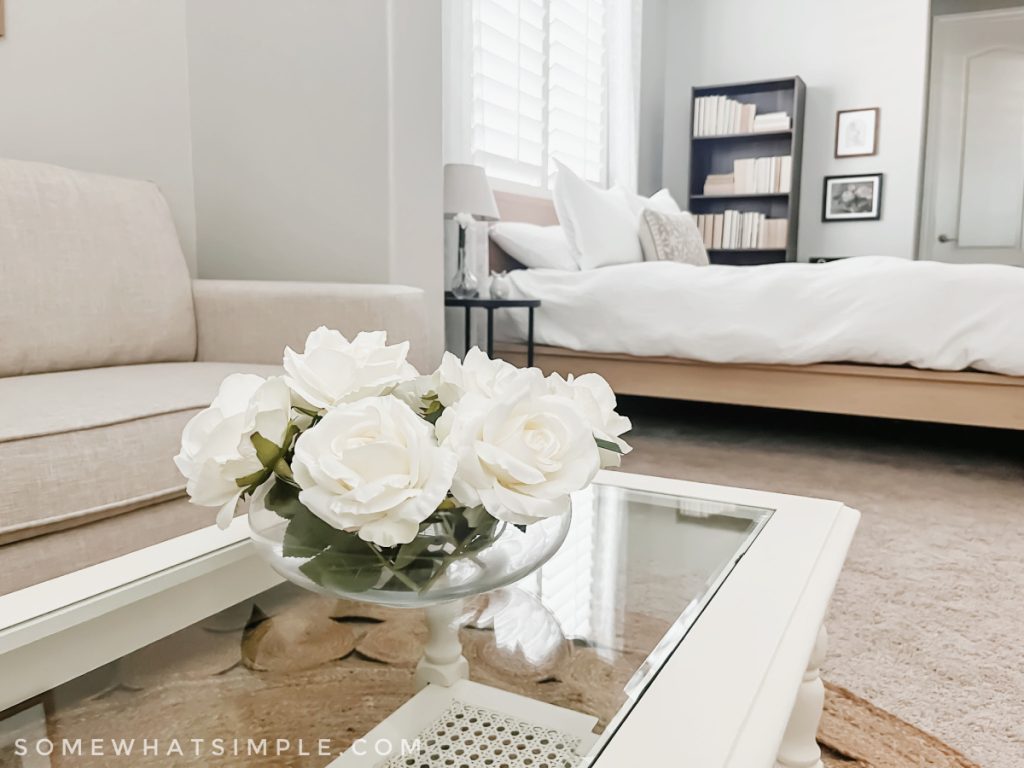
x: 737, y: 581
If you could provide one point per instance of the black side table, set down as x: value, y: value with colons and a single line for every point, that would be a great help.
x: 490, y: 305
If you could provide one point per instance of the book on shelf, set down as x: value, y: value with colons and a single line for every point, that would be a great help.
x: 719, y: 184
x: 742, y: 230
x: 722, y: 116
x: 785, y: 173
x: 755, y: 176
x: 771, y: 121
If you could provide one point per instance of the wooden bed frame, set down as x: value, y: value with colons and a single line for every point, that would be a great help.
x: 962, y: 397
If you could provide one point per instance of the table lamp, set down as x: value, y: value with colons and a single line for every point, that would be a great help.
x: 467, y: 196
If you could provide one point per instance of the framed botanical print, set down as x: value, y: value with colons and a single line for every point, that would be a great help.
x: 857, y: 132
x: 852, y: 198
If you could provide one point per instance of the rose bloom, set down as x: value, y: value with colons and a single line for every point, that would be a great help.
x: 520, y: 455
x: 597, y: 402
x: 454, y: 378
x: 373, y: 467
x: 216, y: 445
x: 332, y: 370
x: 477, y: 373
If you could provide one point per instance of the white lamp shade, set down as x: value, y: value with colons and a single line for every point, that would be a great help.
x: 466, y: 190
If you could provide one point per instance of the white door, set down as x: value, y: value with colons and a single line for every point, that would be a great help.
x: 973, y: 202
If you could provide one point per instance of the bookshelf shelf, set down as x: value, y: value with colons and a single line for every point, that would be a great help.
x: 743, y: 136
x: 741, y: 197
x: 717, y: 154
x: 746, y: 250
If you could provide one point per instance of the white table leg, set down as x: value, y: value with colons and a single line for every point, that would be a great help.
x: 442, y: 662
x: 799, y: 748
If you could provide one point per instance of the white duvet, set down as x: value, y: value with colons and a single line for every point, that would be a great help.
x: 878, y: 310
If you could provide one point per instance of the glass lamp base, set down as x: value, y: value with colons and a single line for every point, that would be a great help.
x: 465, y: 284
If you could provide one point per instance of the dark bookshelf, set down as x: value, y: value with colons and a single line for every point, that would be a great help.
x: 715, y: 154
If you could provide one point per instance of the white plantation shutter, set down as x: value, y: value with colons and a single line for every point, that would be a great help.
x: 508, y: 75
x: 578, y: 88
x: 539, y: 89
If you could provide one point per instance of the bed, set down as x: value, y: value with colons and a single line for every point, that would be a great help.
x: 792, y: 359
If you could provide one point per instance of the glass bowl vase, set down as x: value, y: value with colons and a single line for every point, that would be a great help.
x: 458, y: 552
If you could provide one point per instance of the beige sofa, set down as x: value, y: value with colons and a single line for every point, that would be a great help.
x: 107, y: 348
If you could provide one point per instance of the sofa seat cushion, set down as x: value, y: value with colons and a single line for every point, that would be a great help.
x: 80, y: 446
x: 56, y: 554
x: 91, y: 272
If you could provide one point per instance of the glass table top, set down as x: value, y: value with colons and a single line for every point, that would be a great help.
x: 587, y: 632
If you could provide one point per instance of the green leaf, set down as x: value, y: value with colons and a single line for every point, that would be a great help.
x: 483, y: 535
x: 477, y: 516
x: 419, y: 575
x: 267, y: 452
x: 350, y: 544
x: 281, y: 469
x: 433, y: 412
x: 306, y: 535
x: 408, y: 553
x: 289, y: 434
x: 284, y: 500
x: 608, y: 445
x: 254, y: 480
x: 342, y: 571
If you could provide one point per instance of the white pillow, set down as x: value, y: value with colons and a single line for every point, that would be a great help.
x: 599, y: 224
x: 661, y: 202
x: 534, y: 246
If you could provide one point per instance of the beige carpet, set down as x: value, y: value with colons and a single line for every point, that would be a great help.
x: 928, y: 618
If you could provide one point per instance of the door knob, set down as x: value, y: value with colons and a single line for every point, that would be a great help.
x: 946, y: 239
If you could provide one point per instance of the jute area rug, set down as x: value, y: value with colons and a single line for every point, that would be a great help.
x: 315, y: 666
x: 854, y: 733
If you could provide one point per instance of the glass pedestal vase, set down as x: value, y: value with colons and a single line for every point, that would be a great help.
x: 457, y: 553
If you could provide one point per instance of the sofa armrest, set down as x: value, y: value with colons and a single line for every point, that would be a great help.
x: 252, y: 321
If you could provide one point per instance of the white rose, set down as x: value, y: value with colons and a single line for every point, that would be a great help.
x: 597, y: 402
x: 415, y: 392
x: 477, y: 373
x: 216, y: 445
x: 332, y: 370
x: 373, y: 467
x: 521, y: 455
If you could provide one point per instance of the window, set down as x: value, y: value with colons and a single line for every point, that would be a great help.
x: 539, y: 89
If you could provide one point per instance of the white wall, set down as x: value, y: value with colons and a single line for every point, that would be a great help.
x: 101, y: 85
x: 417, y: 183
x: 317, y: 141
x: 290, y: 147
x: 650, y: 138
x: 868, y: 54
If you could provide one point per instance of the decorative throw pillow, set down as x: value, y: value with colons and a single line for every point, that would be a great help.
x: 534, y: 246
x: 671, y: 237
x: 598, y: 223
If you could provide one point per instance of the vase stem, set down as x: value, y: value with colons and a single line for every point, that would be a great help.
x: 442, y: 662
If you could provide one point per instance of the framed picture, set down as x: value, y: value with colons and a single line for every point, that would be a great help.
x: 857, y: 132
x: 852, y: 198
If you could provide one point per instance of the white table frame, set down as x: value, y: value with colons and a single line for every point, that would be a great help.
x: 748, y: 657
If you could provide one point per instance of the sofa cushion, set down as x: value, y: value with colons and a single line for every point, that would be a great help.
x: 46, y: 557
x: 91, y: 272
x: 79, y: 446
